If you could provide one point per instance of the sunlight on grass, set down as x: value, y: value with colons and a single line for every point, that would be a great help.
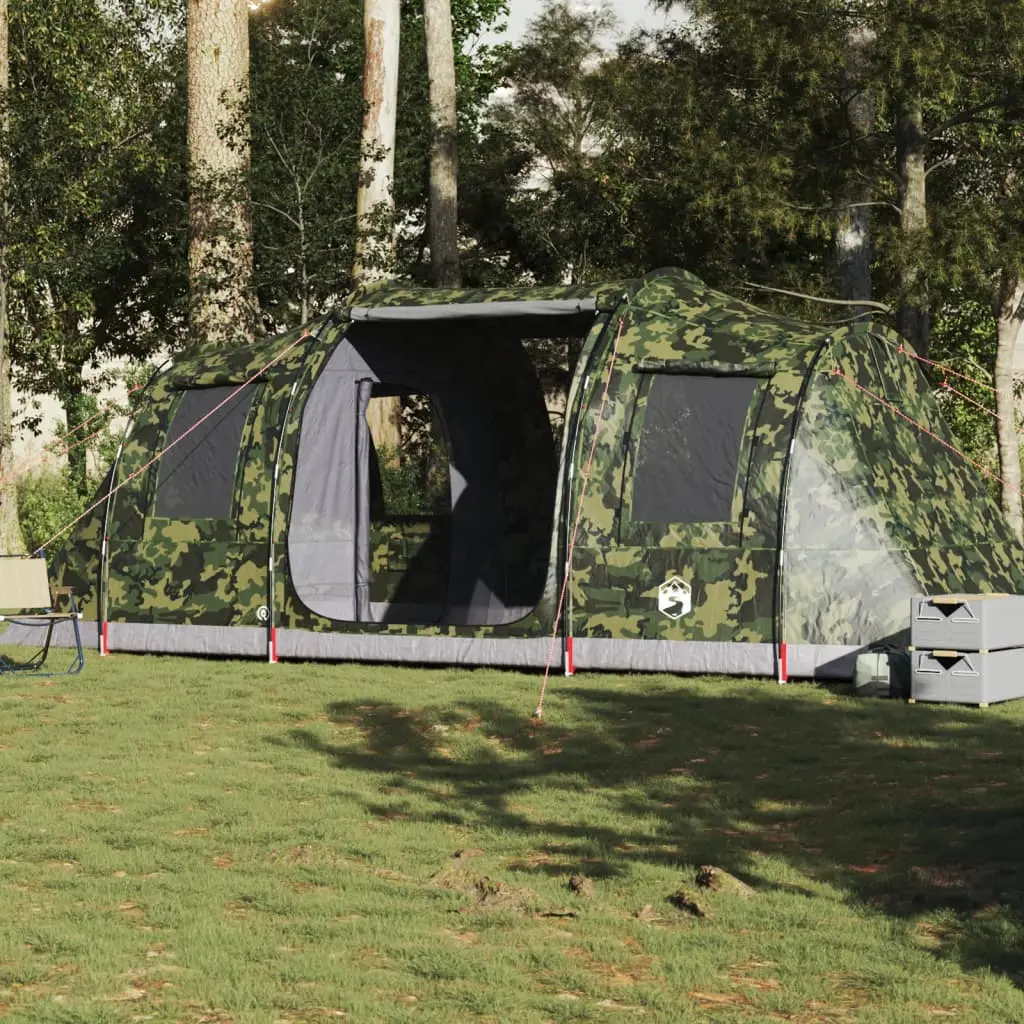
x: 195, y: 841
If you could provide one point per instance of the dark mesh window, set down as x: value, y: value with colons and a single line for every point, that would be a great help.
x: 197, y: 475
x: 689, y: 449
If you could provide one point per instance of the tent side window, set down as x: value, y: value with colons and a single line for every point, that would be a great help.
x: 690, y: 447
x: 197, y: 474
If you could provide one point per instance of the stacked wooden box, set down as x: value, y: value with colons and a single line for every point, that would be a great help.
x: 967, y: 648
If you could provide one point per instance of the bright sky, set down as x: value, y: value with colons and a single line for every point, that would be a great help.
x: 631, y: 14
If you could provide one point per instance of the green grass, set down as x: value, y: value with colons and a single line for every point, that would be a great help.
x: 194, y: 841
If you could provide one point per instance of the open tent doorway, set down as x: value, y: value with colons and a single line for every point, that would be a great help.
x: 456, y: 527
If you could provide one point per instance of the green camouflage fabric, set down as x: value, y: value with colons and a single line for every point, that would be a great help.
x: 207, y: 571
x: 867, y: 506
x: 210, y: 571
x: 878, y: 502
x: 675, y: 323
x: 933, y: 526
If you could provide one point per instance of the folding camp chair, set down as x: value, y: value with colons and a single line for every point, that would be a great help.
x: 25, y: 596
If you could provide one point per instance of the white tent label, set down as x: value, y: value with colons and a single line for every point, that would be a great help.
x: 674, y: 598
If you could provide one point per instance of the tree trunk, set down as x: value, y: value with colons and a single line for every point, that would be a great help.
x: 914, y: 318
x: 444, y: 153
x: 1010, y: 333
x: 853, y: 250
x: 11, y: 540
x: 853, y: 230
x: 384, y: 418
x: 220, y: 223
x: 375, y: 200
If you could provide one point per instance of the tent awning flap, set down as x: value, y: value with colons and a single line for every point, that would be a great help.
x: 474, y: 310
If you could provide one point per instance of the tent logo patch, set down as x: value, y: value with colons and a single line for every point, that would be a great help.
x: 263, y: 613
x: 674, y: 598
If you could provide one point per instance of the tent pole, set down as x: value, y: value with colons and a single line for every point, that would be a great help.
x: 568, y: 653
x: 781, y: 652
x: 568, y: 666
x: 271, y: 611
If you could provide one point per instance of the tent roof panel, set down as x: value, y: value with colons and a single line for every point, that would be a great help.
x: 207, y: 364
x: 678, y: 294
x: 677, y: 319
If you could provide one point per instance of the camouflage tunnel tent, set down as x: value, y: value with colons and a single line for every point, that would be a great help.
x: 751, y: 483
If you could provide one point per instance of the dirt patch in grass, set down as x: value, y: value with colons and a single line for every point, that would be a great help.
x: 494, y: 895
x: 719, y: 1000
x: 634, y: 969
x: 486, y: 893
x: 93, y: 807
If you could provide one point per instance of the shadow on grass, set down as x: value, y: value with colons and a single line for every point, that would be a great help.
x: 913, y: 811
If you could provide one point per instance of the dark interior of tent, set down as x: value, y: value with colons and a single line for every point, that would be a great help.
x: 448, y: 519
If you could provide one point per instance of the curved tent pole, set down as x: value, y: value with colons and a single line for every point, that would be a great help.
x: 274, y: 485
x: 570, y: 445
x: 780, y: 562
x: 103, y: 585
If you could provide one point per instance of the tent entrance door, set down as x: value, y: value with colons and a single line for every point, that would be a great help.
x: 425, y: 481
x: 370, y: 540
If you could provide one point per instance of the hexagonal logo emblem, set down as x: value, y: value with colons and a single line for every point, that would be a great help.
x: 674, y: 598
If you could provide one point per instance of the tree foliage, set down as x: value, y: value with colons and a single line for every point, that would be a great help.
x: 734, y: 143
x: 307, y: 108
x: 97, y: 189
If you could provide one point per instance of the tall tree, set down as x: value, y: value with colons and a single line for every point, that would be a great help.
x: 11, y: 540
x: 535, y: 203
x: 1009, y: 336
x: 220, y: 229
x: 307, y: 110
x: 375, y: 199
x: 914, y: 317
x: 443, y: 207
x: 928, y: 68
x: 979, y: 199
x: 605, y: 160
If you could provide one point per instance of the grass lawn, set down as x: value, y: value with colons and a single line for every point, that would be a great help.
x: 193, y: 841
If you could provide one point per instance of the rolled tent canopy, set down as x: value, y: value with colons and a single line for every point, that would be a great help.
x: 475, y: 311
